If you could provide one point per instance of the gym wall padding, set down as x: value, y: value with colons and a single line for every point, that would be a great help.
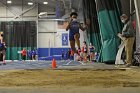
x: 50, y: 53
x: 44, y: 52
x: 19, y: 35
x: 109, y: 12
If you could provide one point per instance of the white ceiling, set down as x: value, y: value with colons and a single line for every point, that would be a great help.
x: 51, y: 6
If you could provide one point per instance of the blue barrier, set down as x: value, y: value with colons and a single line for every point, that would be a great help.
x: 49, y: 54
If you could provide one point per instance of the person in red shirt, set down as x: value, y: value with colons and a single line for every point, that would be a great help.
x: 24, y: 53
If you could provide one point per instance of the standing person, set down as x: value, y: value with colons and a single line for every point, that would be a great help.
x: 74, y: 35
x: 2, y: 48
x: 71, y: 55
x: 33, y: 55
x: 3, y: 52
x: 1, y: 36
x: 68, y: 54
x: 79, y: 51
x: 85, y: 50
x: 36, y: 52
x: 91, y: 52
x: 24, y: 53
x: 29, y: 54
x: 128, y: 37
x: 62, y: 55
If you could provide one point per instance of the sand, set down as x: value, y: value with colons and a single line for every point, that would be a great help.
x: 70, y: 78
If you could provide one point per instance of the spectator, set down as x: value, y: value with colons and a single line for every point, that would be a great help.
x: 3, y: 52
x: 62, y: 55
x: 36, y: 57
x: 72, y: 55
x: 68, y: 54
x: 128, y: 37
x: 85, y: 50
x: 91, y: 52
x: 24, y: 53
x: 29, y: 54
x: 33, y: 55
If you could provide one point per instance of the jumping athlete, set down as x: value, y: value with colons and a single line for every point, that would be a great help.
x: 73, y: 27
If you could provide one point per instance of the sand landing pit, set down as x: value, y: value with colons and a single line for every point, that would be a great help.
x: 60, y: 78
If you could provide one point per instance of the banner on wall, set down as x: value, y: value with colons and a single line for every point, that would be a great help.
x: 64, y: 39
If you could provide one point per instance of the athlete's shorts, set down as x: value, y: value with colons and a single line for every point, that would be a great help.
x: 72, y: 36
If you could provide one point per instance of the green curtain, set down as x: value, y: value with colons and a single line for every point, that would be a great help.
x: 19, y: 35
x: 109, y: 12
x: 93, y: 32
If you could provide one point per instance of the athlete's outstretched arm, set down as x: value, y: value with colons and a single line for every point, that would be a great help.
x: 83, y: 28
x: 87, y: 24
x: 68, y: 26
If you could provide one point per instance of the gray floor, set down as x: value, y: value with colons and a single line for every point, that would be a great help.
x: 13, y: 65
x: 70, y: 90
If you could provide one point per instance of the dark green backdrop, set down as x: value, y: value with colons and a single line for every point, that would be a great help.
x: 19, y: 35
x: 105, y: 25
x: 109, y: 12
x: 93, y: 32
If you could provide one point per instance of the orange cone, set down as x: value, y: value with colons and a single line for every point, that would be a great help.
x: 53, y: 63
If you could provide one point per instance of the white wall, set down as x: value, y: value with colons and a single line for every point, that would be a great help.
x: 46, y: 33
x: 49, y: 35
x: 58, y: 39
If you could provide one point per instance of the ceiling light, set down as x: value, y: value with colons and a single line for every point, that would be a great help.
x: 42, y: 13
x: 45, y: 3
x: 30, y: 3
x: 9, y: 1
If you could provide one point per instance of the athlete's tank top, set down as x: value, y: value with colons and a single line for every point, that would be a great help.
x: 91, y: 49
x: 85, y: 48
x: 1, y: 46
x: 74, y: 28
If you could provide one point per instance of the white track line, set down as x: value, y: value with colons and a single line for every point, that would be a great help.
x: 81, y: 63
x: 68, y: 63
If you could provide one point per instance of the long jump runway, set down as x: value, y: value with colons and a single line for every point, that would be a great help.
x: 13, y: 65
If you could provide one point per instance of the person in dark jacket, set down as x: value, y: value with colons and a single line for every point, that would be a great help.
x: 128, y: 37
x: 68, y: 54
x: 33, y: 55
x: 29, y: 54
